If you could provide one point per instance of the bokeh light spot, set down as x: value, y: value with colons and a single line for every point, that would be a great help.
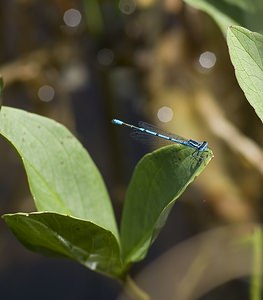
x: 207, y: 60
x: 46, y: 93
x: 72, y: 17
x: 165, y: 114
x: 105, y: 56
x: 127, y: 7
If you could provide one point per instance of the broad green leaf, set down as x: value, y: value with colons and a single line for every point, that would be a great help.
x: 62, y: 176
x: 246, y: 53
x: 232, y: 12
x: 158, y: 180
x: 60, y: 235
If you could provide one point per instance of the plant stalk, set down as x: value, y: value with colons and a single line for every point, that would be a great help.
x: 255, y: 285
x: 134, y: 291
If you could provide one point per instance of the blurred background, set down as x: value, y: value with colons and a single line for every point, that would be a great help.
x: 85, y: 62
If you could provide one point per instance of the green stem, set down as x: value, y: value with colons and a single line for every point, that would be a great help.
x: 255, y: 286
x: 134, y: 291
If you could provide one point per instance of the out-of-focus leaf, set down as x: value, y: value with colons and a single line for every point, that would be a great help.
x: 93, y: 16
x: 246, y: 52
x: 232, y: 12
x: 158, y: 180
x: 62, y: 176
x: 60, y: 235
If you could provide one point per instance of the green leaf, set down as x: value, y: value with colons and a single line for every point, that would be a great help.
x: 65, y: 236
x: 158, y: 180
x: 232, y: 12
x: 246, y: 53
x: 62, y: 176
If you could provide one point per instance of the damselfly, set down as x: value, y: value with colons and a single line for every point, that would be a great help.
x: 144, y: 128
